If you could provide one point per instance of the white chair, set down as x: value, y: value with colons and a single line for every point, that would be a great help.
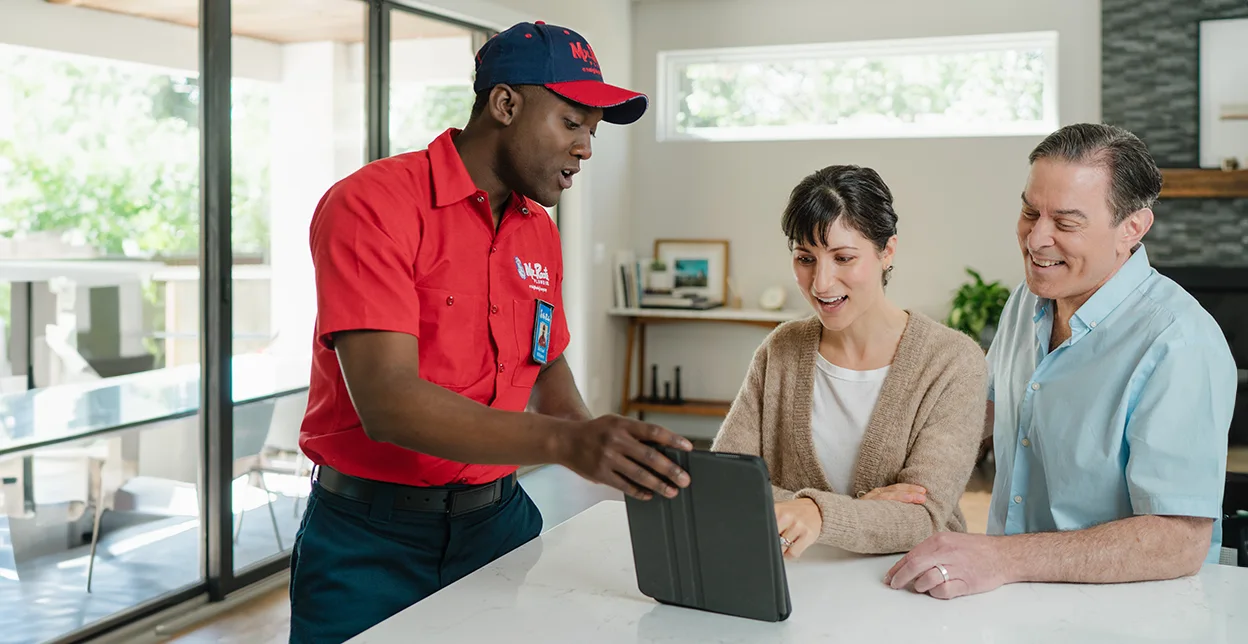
x: 251, y: 427
x: 282, y: 454
x: 252, y: 422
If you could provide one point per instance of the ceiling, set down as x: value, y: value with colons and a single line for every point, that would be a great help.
x: 282, y: 21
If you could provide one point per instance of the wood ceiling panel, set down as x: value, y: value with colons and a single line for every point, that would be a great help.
x: 282, y: 21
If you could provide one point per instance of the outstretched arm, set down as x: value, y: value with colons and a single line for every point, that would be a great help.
x: 1141, y: 548
x: 1175, y: 475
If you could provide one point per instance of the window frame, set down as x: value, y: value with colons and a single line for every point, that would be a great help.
x: 670, y: 64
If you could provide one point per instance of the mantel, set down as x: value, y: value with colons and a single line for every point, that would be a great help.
x: 1178, y: 183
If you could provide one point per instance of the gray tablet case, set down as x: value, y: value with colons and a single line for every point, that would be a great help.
x: 714, y: 547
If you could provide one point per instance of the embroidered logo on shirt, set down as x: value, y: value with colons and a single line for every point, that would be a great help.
x: 540, y: 275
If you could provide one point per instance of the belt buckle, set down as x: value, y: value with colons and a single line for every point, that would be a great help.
x: 463, y: 502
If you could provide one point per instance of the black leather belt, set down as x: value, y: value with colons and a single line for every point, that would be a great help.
x: 445, y: 500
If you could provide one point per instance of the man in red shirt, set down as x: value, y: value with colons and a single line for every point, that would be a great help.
x: 438, y: 362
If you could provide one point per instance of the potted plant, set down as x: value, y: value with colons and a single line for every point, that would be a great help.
x: 977, y: 307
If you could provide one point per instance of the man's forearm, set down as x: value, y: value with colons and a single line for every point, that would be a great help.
x: 1142, y: 548
x: 418, y: 415
x: 555, y: 393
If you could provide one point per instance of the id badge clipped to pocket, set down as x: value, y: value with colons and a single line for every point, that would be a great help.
x: 542, y: 319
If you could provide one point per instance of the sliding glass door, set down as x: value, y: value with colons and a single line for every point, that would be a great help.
x: 159, y: 166
x: 297, y: 126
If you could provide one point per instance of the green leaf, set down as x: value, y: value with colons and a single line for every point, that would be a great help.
x: 976, y: 305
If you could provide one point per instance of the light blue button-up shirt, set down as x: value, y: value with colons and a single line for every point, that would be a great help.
x: 1129, y: 416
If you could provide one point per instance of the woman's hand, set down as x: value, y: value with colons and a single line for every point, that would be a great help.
x: 903, y: 492
x: 799, y: 522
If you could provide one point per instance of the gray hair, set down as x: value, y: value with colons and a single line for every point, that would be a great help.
x: 1134, y: 180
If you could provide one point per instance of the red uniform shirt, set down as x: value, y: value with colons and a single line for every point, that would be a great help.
x: 408, y: 244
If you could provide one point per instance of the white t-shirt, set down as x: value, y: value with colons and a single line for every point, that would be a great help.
x: 842, y: 402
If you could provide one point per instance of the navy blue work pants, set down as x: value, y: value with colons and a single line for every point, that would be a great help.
x: 355, y: 565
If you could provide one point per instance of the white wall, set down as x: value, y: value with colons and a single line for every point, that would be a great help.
x: 957, y: 199
x: 321, y: 92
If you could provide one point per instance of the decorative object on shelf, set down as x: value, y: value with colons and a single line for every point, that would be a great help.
x: 658, y: 278
x: 699, y: 267
x: 977, y: 307
x: 654, y: 383
x: 1223, y: 124
x: 772, y: 299
x: 677, y: 399
x: 1229, y: 164
x: 667, y: 392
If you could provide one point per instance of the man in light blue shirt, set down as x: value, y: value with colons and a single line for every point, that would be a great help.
x: 1110, y: 395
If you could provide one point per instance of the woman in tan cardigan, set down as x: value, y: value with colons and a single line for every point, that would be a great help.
x: 869, y: 417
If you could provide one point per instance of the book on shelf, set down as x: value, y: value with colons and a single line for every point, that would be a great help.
x: 628, y: 279
x: 672, y: 301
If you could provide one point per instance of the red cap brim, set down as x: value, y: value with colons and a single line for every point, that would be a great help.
x: 619, y: 105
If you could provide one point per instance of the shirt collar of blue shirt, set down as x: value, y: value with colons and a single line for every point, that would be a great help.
x: 1104, y: 300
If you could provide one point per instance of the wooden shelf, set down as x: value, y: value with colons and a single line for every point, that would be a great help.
x: 687, y: 408
x: 639, y: 319
x: 1199, y: 182
x: 717, y: 315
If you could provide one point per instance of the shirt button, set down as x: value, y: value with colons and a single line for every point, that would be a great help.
x: 493, y: 249
x: 494, y: 309
x: 1035, y: 386
x: 480, y: 199
x: 1092, y: 324
x: 450, y: 299
x: 1018, y: 499
x: 1026, y: 443
x: 524, y: 211
x: 501, y: 367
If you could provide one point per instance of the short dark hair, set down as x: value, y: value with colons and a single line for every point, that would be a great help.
x: 858, y: 194
x: 478, y: 105
x: 1134, y: 179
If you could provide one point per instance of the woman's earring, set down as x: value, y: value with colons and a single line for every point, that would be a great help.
x: 888, y: 273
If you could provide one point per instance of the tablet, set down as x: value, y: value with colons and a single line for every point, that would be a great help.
x: 714, y: 547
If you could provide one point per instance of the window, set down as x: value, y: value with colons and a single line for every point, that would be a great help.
x: 962, y: 86
x: 431, y: 72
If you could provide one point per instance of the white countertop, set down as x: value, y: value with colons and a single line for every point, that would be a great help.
x: 576, y: 583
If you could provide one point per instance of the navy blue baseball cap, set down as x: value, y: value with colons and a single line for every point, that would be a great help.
x: 559, y: 59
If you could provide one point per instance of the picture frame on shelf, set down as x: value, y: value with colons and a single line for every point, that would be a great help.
x: 1223, y: 93
x: 699, y: 267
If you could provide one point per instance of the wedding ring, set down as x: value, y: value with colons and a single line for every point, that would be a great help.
x: 785, y: 542
x: 943, y: 573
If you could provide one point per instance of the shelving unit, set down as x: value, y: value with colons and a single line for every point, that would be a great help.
x: 639, y: 319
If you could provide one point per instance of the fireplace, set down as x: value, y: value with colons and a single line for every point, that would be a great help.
x: 1223, y: 291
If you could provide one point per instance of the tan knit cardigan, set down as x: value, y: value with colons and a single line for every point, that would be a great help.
x: 925, y: 430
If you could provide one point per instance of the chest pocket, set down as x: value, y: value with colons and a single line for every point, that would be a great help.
x: 526, y: 370
x: 453, y: 341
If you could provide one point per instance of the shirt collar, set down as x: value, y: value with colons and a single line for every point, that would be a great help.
x: 1106, y: 298
x: 451, y: 181
x: 1115, y: 291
